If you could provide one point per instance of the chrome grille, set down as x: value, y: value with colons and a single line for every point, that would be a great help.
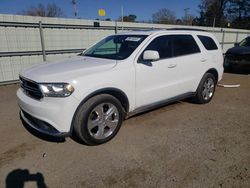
x: 31, y: 88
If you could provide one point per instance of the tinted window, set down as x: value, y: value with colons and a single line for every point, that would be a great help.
x: 208, y: 42
x: 173, y: 45
x: 184, y: 45
x: 162, y: 45
x: 245, y: 42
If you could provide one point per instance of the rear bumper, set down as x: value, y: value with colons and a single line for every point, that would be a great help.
x: 41, y: 126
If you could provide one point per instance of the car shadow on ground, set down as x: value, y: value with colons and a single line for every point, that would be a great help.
x: 161, y: 106
x: 41, y: 135
x: 18, y: 177
x: 75, y: 138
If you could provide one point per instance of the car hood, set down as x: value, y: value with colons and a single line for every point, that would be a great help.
x: 239, y: 50
x: 67, y: 69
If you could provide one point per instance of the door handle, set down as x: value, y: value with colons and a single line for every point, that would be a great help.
x: 172, y: 65
x: 203, y: 60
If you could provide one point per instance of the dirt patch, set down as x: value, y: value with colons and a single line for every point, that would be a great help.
x: 119, y: 178
x: 179, y: 145
x: 18, y: 151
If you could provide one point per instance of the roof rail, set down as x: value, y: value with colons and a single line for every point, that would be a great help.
x: 186, y: 29
x: 148, y: 29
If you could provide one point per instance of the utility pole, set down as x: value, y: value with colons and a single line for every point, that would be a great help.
x: 74, y: 7
x: 214, y: 23
x: 186, y: 14
x: 122, y: 15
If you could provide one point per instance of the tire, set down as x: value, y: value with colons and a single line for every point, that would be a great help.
x: 206, y: 89
x: 98, y: 120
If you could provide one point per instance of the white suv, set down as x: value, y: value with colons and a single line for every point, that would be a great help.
x: 120, y: 76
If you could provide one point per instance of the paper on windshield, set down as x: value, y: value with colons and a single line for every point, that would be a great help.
x: 133, y: 39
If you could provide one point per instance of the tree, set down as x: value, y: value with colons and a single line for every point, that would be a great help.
x: 179, y: 22
x: 51, y: 10
x: 164, y: 16
x: 188, y: 19
x: 213, y: 9
x: 238, y: 8
x: 236, y: 12
x: 129, y: 18
x: 239, y: 13
x: 201, y: 19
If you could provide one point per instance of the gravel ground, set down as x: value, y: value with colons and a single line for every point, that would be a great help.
x: 180, y: 145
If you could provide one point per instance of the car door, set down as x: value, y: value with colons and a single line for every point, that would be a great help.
x: 189, y: 63
x: 168, y: 77
x: 154, y: 79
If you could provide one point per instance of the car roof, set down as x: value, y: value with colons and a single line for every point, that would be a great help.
x: 165, y: 31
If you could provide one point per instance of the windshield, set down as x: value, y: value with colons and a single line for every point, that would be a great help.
x: 245, y: 42
x: 115, y: 47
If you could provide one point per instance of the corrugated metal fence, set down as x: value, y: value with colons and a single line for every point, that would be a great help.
x: 26, y: 40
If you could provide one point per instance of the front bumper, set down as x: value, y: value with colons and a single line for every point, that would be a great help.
x: 41, y: 126
x: 51, y: 116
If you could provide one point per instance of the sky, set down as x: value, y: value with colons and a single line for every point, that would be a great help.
x: 88, y: 9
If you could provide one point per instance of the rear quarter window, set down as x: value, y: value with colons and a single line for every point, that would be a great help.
x: 208, y: 42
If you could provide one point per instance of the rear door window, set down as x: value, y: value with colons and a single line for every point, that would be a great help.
x: 184, y: 45
x: 208, y: 42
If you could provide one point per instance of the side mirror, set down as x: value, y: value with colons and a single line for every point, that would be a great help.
x: 236, y: 44
x: 151, y: 55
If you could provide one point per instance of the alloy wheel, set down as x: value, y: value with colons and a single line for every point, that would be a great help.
x: 208, y: 89
x: 103, y: 120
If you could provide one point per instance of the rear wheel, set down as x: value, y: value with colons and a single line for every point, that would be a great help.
x: 99, y: 119
x: 206, y: 89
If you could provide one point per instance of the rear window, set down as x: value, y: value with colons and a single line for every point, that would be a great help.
x: 208, y: 42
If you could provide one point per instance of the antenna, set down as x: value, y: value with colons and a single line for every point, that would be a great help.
x: 74, y: 7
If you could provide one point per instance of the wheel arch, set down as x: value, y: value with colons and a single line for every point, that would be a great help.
x: 214, y: 72
x: 115, y: 92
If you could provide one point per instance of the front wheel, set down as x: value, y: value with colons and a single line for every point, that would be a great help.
x: 206, y: 89
x: 99, y: 119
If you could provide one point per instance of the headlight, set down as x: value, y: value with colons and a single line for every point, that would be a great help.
x: 56, y: 89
